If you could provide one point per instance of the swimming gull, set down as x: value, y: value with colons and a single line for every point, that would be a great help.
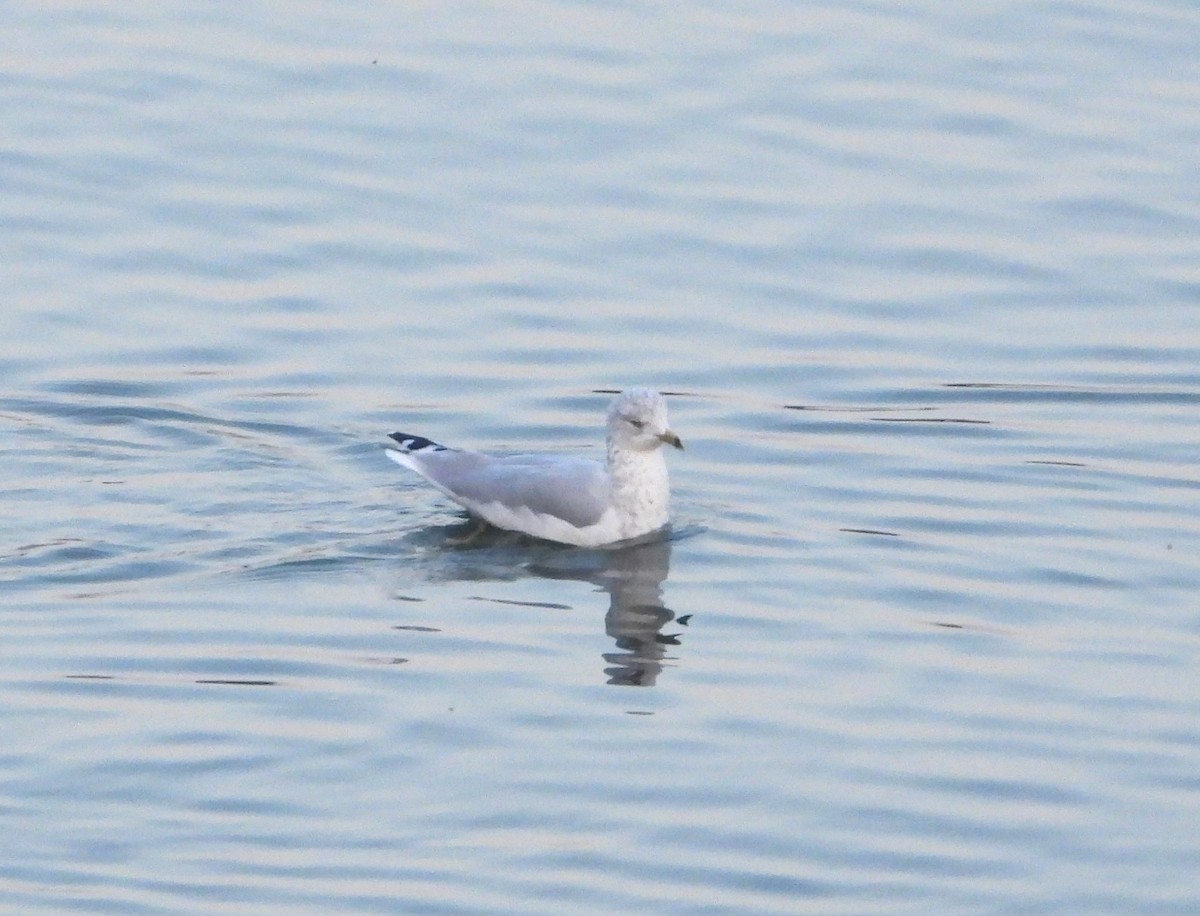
x: 562, y: 497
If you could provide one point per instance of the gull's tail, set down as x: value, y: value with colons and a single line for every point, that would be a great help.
x: 410, y: 443
x: 412, y: 451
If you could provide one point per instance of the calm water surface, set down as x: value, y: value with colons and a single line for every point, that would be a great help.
x: 922, y: 282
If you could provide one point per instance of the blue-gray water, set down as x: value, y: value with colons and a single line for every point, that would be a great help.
x: 924, y: 280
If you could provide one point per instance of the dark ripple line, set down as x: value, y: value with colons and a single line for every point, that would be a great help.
x: 220, y: 681
x: 820, y: 408
x: 1009, y: 391
x: 930, y: 420
x: 549, y: 605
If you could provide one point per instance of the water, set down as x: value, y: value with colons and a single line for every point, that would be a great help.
x: 923, y: 284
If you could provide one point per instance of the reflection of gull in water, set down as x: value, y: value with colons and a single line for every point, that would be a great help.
x: 633, y: 576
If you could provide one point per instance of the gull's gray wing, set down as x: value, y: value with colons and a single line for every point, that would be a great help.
x: 575, y: 490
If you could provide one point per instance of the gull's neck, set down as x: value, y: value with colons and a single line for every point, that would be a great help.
x: 640, y: 489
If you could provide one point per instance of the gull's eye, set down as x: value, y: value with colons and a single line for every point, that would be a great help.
x: 636, y: 424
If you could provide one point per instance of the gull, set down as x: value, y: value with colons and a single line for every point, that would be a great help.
x: 562, y: 498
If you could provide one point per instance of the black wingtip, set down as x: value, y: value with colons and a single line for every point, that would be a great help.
x: 411, y: 443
